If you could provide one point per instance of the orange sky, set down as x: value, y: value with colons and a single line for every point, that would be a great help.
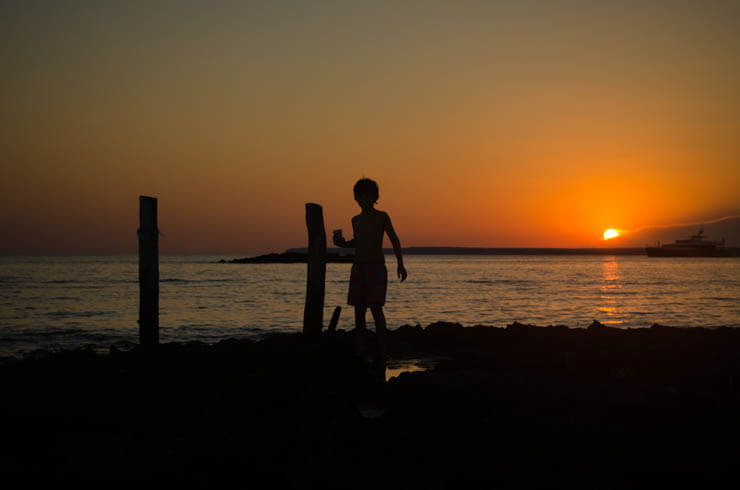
x: 484, y: 124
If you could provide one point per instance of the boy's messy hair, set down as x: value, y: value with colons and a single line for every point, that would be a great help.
x: 368, y: 186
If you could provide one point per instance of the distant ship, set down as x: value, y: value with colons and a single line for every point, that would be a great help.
x: 696, y: 246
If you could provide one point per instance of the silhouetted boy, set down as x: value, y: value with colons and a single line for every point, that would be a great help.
x: 369, y: 278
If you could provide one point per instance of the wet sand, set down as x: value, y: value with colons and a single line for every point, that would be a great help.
x: 520, y: 406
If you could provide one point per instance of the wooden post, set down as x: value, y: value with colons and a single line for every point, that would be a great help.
x: 313, y: 314
x: 148, y: 272
x: 334, y: 319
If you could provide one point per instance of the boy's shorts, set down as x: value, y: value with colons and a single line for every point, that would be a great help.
x: 367, y: 284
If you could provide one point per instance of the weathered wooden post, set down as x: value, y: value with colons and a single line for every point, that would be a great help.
x: 148, y: 272
x: 313, y: 313
x: 334, y: 319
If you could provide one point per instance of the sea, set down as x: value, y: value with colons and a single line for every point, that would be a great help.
x: 62, y: 302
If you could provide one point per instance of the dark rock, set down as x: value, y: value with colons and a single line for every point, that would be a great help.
x: 520, y: 406
x: 408, y: 332
x: 443, y: 327
x: 520, y: 326
x: 596, y: 325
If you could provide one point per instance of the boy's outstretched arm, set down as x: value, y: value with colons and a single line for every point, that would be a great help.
x: 402, y: 274
x: 341, y: 242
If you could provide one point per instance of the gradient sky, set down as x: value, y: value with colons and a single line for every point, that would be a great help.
x: 485, y: 123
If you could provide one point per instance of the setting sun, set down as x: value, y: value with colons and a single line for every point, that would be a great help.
x: 610, y: 233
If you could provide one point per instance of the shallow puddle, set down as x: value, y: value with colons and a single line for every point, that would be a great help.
x: 395, y: 368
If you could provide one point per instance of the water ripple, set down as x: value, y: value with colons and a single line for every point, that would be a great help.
x: 60, y: 301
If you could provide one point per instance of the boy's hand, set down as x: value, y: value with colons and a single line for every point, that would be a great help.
x: 340, y: 241
x: 402, y: 274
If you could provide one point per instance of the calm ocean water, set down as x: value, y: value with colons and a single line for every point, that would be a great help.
x: 59, y: 302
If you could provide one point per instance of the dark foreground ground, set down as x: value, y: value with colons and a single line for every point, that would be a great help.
x: 509, y: 408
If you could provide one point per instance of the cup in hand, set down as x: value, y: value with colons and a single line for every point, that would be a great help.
x: 337, y: 235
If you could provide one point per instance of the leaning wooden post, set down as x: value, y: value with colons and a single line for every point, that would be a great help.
x: 313, y: 313
x: 148, y: 272
x: 334, y: 320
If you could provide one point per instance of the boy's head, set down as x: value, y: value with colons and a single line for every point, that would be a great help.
x: 366, y: 192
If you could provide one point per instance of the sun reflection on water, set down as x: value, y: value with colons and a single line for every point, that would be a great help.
x: 609, y: 288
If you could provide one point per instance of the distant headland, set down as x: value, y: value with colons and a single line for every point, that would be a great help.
x: 345, y: 255
x: 290, y: 256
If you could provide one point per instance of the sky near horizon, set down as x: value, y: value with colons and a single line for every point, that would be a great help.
x: 485, y: 123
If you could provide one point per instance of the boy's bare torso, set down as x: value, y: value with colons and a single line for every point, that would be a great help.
x: 368, y: 228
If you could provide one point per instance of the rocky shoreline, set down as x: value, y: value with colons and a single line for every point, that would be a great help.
x: 520, y: 406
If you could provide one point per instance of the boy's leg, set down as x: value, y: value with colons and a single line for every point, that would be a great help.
x: 360, y: 329
x: 379, y: 318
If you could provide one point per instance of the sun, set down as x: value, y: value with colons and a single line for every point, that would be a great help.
x: 610, y: 233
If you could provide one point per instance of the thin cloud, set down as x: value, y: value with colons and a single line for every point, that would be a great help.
x: 678, y: 225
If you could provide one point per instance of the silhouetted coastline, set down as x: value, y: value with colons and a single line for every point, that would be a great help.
x: 521, y: 251
x: 299, y: 255
x: 288, y: 257
x: 507, y: 251
x: 515, y: 406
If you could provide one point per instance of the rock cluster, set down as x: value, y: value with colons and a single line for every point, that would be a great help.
x: 519, y: 406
